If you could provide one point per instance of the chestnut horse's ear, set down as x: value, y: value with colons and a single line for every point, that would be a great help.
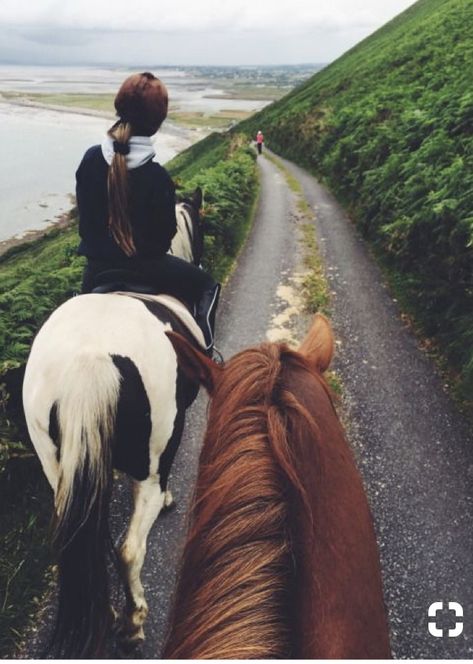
x: 197, y: 366
x: 318, y: 346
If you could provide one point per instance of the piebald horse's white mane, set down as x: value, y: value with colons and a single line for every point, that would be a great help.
x: 183, y: 241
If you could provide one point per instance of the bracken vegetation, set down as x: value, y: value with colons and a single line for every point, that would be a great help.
x: 34, y: 280
x: 389, y: 127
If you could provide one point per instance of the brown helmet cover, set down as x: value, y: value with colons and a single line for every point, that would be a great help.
x: 142, y: 100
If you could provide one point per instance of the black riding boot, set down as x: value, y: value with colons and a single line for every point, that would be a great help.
x: 205, y: 315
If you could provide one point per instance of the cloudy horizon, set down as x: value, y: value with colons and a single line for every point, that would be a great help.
x: 211, y: 32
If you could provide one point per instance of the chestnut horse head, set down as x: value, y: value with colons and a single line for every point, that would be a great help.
x: 281, y: 559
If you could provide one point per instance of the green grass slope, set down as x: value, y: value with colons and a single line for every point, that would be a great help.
x: 389, y: 127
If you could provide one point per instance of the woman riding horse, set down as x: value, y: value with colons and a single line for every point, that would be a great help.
x: 126, y: 203
x: 94, y: 402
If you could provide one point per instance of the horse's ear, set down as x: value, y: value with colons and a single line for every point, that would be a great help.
x: 318, y: 346
x: 197, y: 198
x: 197, y: 366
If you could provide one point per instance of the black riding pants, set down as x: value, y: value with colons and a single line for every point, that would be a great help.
x: 167, y: 274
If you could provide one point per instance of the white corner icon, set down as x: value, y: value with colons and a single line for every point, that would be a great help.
x: 436, y: 631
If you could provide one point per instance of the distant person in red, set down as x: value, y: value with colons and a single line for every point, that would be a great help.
x: 259, y: 141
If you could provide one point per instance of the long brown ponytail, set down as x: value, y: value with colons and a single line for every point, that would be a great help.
x: 118, y: 190
x: 141, y: 104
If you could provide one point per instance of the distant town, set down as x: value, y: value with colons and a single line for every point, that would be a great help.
x: 282, y: 75
x: 255, y: 81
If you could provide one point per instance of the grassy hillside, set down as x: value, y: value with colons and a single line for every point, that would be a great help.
x: 34, y: 280
x: 389, y: 127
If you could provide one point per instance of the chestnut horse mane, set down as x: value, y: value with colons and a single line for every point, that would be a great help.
x: 238, y: 568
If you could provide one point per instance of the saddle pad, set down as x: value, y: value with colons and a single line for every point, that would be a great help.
x: 176, y: 307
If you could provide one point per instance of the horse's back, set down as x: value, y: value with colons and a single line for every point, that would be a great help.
x: 102, y: 324
x: 107, y: 322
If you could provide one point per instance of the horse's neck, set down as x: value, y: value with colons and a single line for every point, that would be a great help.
x: 339, y: 596
x: 264, y: 577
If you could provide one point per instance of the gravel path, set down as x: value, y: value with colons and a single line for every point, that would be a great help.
x: 414, y: 450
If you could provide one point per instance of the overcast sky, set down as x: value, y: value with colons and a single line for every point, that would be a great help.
x: 187, y: 32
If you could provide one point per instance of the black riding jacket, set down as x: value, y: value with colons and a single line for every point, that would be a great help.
x: 152, y: 209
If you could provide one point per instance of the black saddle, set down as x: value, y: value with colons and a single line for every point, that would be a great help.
x: 111, y: 281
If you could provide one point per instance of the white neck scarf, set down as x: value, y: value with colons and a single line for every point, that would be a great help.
x: 141, y: 151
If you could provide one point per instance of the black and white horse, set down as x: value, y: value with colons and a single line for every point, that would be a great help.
x: 103, y: 390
